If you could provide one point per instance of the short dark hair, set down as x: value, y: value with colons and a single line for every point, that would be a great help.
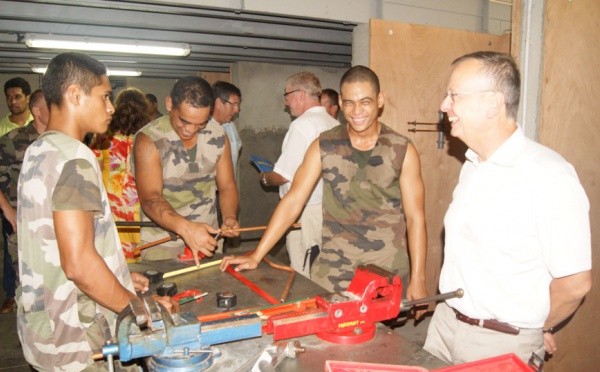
x: 361, y: 74
x: 18, y: 82
x: 35, y: 98
x: 193, y: 90
x: 71, y: 68
x: 332, y: 94
x: 131, y: 112
x: 151, y: 98
x: 503, y: 70
x: 223, y: 89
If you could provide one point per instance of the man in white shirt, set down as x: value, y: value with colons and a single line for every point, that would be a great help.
x: 302, y: 96
x: 517, y: 230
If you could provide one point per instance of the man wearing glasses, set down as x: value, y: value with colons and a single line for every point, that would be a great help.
x: 228, y: 99
x: 302, y: 96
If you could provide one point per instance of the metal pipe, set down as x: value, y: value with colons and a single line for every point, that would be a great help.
x: 290, y: 280
x: 406, y: 305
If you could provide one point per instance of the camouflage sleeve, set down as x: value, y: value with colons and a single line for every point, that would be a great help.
x: 77, y: 188
x: 7, y: 158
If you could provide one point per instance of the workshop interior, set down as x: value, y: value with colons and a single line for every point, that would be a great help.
x: 270, y: 319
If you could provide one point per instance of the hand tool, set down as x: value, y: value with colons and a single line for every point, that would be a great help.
x: 175, y: 342
x: 190, y: 293
x: 196, y: 298
x: 349, y: 317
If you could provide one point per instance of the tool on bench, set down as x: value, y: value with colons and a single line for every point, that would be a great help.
x: 155, y: 276
x: 189, y: 296
x: 269, y: 358
x: 167, y: 289
x: 226, y: 300
x: 350, y: 317
x: 175, y: 342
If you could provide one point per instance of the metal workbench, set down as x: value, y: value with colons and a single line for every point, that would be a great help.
x: 387, y: 347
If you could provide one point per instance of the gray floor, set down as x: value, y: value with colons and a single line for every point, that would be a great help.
x: 11, y: 356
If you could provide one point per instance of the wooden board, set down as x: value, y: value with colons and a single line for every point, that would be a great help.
x: 413, y: 65
x: 569, y: 124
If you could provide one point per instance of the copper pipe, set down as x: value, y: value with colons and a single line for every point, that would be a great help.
x: 98, y: 356
x: 152, y: 244
x: 256, y: 228
x: 290, y: 280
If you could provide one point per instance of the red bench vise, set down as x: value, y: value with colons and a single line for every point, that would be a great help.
x: 346, y: 317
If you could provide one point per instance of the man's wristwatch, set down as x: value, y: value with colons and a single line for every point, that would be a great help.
x: 264, y: 179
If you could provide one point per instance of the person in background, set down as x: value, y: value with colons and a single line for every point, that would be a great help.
x: 12, y: 150
x: 302, y: 92
x: 74, y: 278
x: 153, y: 107
x: 329, y: 100
x: 113, y: 150
x: 517, y: 229
x: 180, y: 160
x: 17, y: 91
x: 373, y: 195
x: 228, y: 99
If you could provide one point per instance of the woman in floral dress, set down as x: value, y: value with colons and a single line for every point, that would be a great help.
x: 113, y: 149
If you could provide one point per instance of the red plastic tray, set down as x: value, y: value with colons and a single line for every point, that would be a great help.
x: 341, y: 366
x: 501, y: 363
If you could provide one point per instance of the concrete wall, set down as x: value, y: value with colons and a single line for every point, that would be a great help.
x: 262, y: 124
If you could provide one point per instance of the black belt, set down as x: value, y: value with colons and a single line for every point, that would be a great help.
x: 492, y: 324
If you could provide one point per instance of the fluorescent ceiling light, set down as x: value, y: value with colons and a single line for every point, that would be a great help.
x: 85, y: 43
x: 109, y: 72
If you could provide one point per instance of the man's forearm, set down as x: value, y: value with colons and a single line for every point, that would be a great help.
x: 229, y: 202
x: 566, y: 295
x: 160, y: 211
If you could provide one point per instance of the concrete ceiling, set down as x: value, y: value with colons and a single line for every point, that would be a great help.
x: 218, y: 37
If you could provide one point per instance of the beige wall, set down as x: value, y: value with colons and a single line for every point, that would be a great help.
x: 569, y: 113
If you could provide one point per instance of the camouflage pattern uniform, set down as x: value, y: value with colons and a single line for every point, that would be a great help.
x: 12, y: 150
x: 188, y: 185
x: 60, y: 326
x: 363, y: 219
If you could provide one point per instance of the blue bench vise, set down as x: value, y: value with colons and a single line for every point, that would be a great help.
x: 174, y: 342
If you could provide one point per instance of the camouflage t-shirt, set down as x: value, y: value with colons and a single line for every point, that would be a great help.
x: 56, y: 321
x: 188, y: 185
x: 12, y: 150
x: 363, y: 219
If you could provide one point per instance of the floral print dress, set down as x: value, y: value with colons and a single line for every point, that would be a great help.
x: 113, y: 151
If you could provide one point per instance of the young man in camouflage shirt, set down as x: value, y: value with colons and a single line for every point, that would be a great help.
x: 74, y: 279
x: 372, y: 194
x: 179, y: 161
x: 12, y: 150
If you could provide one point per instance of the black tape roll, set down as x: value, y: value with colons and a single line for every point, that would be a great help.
x: 167, y: 289
x: 153, y: 276
x: 226, y: 299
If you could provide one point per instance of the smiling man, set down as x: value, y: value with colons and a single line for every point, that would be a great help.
x: 517, y: 230
x: 179, y: 161
x: 371, y: 177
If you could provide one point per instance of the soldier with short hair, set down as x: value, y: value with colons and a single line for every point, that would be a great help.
x: 179, y: 160
x: 372, y: 194
x: 74, y: 278
x: 12, y: 150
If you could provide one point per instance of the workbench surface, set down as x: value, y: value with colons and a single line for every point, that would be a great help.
x: 387, y: 347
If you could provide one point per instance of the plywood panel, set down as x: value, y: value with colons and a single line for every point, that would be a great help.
x: 569, y: 125
x: 413, y: 64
